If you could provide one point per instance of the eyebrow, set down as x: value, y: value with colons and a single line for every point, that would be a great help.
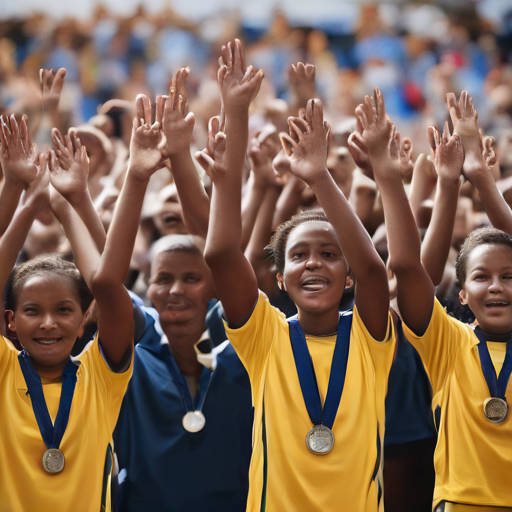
x: 306, y: 244
x: 32, y: 303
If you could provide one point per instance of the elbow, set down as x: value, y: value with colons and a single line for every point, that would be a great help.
x: 401, y: 266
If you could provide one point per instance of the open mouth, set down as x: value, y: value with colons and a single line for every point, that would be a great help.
x: 176, y: 306
x: 47, y: 341
x: 171, y: 220
x: 497, y: 304
x: 315, y: 284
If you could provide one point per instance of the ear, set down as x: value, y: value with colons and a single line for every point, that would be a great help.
x: 349, y: 282
x: 462, y: 297
x: 85, y: 319
x: 280, y: 282
x: 9, y: 321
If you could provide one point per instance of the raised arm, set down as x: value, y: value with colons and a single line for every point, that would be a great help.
x: 18, y: 163
x: 116, y: 325
x: 302, y: 85
x: 233, y: 275
x: 69, y: 166
x: 415, y: 291
x: 51, y: 88
x: 177, y: 126
x: 448, y: 159
x: 307, y: 151
x: 35, y: 199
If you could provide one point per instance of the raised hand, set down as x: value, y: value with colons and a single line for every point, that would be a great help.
x: 238, y: 85
x: 261, y: 166
x: 302, y: 82
x: 465, y: 122
x: 211, y: 159
x: 18, y: 152
x: 51, y: 87
x: 406, y: 163
x: 306, y: 146
x: 37, y: 194
x: 448, y: 153
x: 378, y: 130
x: 177, y: 125
x: 69, y: 166
x: 359, y: 153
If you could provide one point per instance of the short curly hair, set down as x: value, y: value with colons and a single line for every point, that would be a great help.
x: 277, y: 247
x: 48, y: 265
x: 481, y: 236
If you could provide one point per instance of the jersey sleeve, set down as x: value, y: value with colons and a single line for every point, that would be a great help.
x: 439, y: 344
x: 382, y: 352
x: 7, y: 350
x: 111, y: 385
x: 253, y: 341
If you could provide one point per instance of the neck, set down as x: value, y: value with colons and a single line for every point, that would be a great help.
x: 53, y: 372
x: 181, y: 342
x: 319, y: 324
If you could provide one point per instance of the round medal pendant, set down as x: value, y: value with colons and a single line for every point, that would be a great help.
x: 53, y: 461
x: 320, y: 440
x: 496, y: 409
x: 194, y: 421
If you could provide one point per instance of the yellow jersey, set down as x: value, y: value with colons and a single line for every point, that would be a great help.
x: 473, y: 457
x: 83, y: 484
x: 284, y: 475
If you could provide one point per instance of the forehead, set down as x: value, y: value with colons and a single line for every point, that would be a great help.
x: 313, y: 233
x: 48, y: 288
x: 179, y: 262
x: 490, y: 256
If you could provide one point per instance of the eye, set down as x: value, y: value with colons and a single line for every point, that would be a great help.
x: 163, y: 280
x: 65, y: 309
x: 297, y: 255
x: 328, y: 254
x: 29, y: 310
x: 480, y: 277
x: 192, y: 279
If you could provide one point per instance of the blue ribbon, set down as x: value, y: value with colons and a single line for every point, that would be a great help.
x: 179, y: 379
x: 52, y: 434
x: 306, y: 371
x: 497, y: 386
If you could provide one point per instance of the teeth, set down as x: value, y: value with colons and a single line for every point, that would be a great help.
x: 314, y: 283
x: 47, y: 342
x: 497, y: 304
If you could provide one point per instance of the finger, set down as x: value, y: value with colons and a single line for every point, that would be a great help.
x: 69, y: 144
x: 214, y: 125
x: 74, y: 142
x: 379, y: 103
x: 249, y: 72
x: 432, y: 138
x: 295, y: 132
x: 301, y: 124
x: 53, y: 162
x: 159, y: 111
x: 361, y: 118
x: 147, y: 110
x: 205, y: 161
x: 240, y: 54
x: 173, y: 98
x: 58, y: 80
x: 43, y: 163
x: 57, y: 139
x: 318, y: 115
x: 230, y: 56
x: 309, y: 112
x: 453, y: 108
x: 289, y: 145
x: 446, y: 131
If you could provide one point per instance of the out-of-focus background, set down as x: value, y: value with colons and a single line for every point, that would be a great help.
x: 414, y: 51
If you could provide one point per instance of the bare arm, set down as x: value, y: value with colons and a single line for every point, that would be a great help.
x: 233, y: 275
x: 423, y: 182
x: 449, y: 156
x: 70, y: 170
x: 307, y: 150
x: 18, y: 163
x: 177, y: 127
x: 415, y: 291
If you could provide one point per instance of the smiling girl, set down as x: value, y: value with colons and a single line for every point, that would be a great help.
x: 473, y: 458
x: 318, y: 382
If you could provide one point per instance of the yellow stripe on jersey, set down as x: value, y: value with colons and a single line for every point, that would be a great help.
x: 283, y: 473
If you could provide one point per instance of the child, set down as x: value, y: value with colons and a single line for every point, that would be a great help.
x: 472, y: 459
x: 303, y: 457
x: 59, y: 412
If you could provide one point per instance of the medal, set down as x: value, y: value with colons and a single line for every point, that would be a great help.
x: 495, y: 407
x: 52, y: 434
x: 193, y: 421
x: 320, y: 439
x: 53, y: 460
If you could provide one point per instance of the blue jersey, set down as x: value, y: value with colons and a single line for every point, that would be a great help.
x: 408, y: 402
x: 162, y: 466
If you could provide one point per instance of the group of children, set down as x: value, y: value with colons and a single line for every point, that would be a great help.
x: 328, y: 409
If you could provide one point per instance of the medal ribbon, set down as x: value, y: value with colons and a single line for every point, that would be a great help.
x: 306, y: 371
x: 497, y: 386
x: 52, y: 434
x: 179, y: 379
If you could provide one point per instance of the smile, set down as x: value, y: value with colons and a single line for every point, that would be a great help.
x: 47, y: 341
x: 315, y: 284
x: 497, y: 304
x: 176, y: 306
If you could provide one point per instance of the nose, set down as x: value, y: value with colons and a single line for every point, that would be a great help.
x: 313, y: 262
x: 177, y: 288
x: 48, y: 322
x: 496, y: 285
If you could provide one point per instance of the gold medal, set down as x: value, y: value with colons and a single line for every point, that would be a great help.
x: 53, y: 461
x: 320, y: 440
x: 496, y: 409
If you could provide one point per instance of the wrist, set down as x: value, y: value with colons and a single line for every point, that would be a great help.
x: 180, y: 156
x: 138, y: 173
x: 318, y: 176
x: 448, y: 181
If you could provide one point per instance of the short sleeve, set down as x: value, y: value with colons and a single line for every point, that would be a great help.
x: 110, y: 384
x: 439, y: 344
x: 253, y: 341
x: 6, y: 351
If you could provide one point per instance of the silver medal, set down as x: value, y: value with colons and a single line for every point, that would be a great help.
x: 194, y: 421
x: 53, y: 461
x: 320, y: 440
x: 496, y: 409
